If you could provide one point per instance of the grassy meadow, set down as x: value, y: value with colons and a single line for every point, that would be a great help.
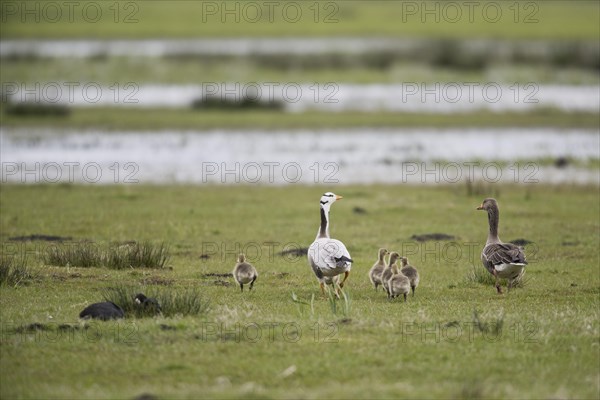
x: 455, y: 339
x: 145, y: 19
x: 114, y: 119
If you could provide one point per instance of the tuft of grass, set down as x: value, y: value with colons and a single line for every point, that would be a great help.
x: 479, y: 275
x: 172, y: 302
x: 37, y: 110
x: 344, y: 307
x: 244, y: 103
x: 14, y: 272
x: 493, y: 327
x: 302, y: 305
x: 85, y: 255
x: 144, y: 255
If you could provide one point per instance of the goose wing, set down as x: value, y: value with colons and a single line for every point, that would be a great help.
x: 503, y: 253
x: 329, y: 257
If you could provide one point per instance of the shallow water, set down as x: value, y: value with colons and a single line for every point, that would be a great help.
x: 535, y: 49
x: 443, y: 97
x: 287, y: 157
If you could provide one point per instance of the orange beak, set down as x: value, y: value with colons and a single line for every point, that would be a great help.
x: 337, y: 197
x: 480, y: 207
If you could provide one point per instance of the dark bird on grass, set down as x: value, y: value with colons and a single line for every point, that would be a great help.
x: 244, y: 272
x: 149, y: 303
x: 503, y: 260
x: 104, y: 311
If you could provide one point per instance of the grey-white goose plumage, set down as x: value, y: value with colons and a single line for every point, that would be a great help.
x: 328, y: 257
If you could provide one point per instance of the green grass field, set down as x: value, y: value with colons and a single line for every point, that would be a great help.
x: 542, y: 340
x: 200, y: 70
x: 153, y: 119
x: 151, y: 19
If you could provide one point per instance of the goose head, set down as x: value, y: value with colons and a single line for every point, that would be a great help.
x: 241, y: 258
x: 328, y: 199
x: 382, y: 252
x: 140, y: 298
x: 488, y: 204
x: 404, y: 261
x: 394, y: 257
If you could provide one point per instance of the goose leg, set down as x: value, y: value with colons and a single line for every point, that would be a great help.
x: 252, y: 283
x: 242, y: 287
x: 498, y: 288
x: 405, y: 297
x: 323, y: 288
x: 345, y: 277
x: 413, y: 291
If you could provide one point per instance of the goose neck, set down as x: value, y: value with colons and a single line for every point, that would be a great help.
x: 493, y: 218
x: 324, y: 229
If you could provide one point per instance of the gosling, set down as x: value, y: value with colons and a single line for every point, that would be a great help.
x: 244, y: 272
x: 398, y: 284
x: 388, y: 271
x: 377, y: 269
x: 411, y: 273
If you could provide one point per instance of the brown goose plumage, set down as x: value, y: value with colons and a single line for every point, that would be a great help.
x: 377, y: 268
x: 411, y: 273
x: 398, y: 284
x: 388, y: 271
x: 503, y: 260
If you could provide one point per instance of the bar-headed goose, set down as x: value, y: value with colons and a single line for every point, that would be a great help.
x: 398, y: 284
x: 411, y: 273
x: 503, y: 260
x: 389, y: 271
x: 244, y: 272
x: 377, y: 268
x: 328, y: 257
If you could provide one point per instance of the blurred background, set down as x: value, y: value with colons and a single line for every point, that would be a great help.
x: 283, y: 92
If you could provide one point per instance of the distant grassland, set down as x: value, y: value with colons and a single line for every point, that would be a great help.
x: 198, y: 70
x: 151, y: 19
x: 153, y: 119
x: 455, y: 339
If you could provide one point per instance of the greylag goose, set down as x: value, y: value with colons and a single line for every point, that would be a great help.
x: 503, y: 260
x: 377, y: 269
x: 398, y: 284
x: 103, y: 311
x: 411, y: 273
x: 328, y: 257
x: 244, y: 272
x: 388, y: 271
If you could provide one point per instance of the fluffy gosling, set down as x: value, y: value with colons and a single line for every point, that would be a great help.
x: 398, y: 284
x: 411, y: 273
x: 244, y: 272
x: 377, y: 269
x: 388, y: 271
